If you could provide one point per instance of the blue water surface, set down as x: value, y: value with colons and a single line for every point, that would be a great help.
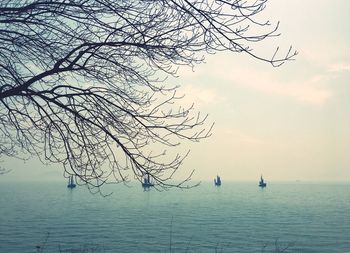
x: 236, y: 217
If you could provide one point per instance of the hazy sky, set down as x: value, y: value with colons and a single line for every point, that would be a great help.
x: 287, y: 123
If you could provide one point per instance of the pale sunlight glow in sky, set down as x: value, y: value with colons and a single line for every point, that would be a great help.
x: 287, y: 123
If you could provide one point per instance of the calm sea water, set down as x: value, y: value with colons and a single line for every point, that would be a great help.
x: 237, y: 217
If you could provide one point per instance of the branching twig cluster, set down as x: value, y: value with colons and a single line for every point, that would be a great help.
x: 82, y: 82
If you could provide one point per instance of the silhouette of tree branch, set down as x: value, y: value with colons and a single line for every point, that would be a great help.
x: 82, y: 82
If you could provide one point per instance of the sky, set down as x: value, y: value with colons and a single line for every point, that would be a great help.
x: 287, y: 123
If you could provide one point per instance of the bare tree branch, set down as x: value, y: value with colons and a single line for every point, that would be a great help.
x: 83, y: 83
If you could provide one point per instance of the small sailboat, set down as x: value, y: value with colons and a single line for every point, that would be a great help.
x: 262, y: 184
x: 71, y: 183
x: 217, y: 181
x: 146, y: 184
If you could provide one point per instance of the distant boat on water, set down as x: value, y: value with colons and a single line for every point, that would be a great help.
x: 217, y: 181
x: 262, y: 184
x: 146, y: 184
x: 71, y: 183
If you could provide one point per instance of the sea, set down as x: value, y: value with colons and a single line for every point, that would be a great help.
x: 236, y: 217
